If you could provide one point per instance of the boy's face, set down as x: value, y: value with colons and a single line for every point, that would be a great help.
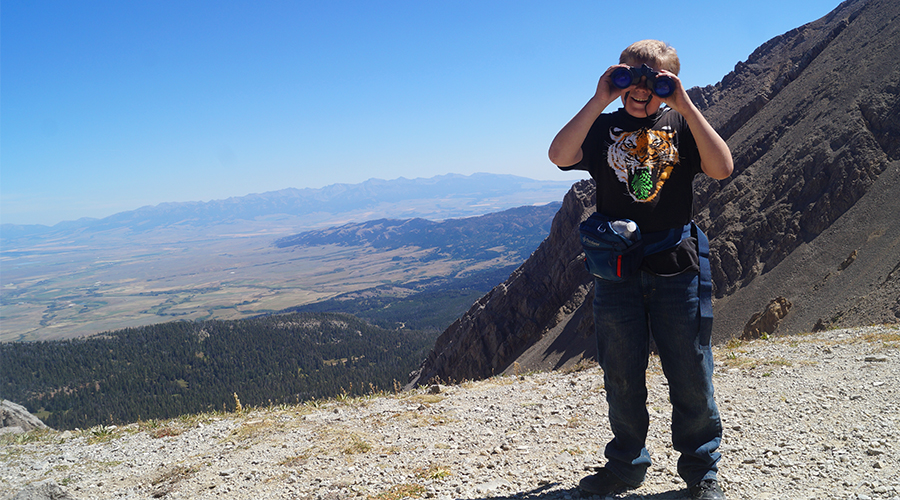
x: 640, y: 101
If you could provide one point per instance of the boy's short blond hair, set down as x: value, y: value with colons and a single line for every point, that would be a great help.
x: 655, y: 53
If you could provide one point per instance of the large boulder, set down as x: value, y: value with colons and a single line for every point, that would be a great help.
x: 766, y: 321
x: 16, y: 418
x: 47, y: 490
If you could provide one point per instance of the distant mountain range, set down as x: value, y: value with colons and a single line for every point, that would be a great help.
x: 291, y: 210
x: 517, y: 231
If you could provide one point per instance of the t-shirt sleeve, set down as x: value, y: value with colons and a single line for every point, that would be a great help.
x: 687, y: 148
x: 590, y: 149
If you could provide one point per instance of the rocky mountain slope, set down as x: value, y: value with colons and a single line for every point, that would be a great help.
x: 816, y: 167
x: 812, y: 416
x: 544, y: 300
x: 807, y: 220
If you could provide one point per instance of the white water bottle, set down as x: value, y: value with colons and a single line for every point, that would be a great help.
x: 624, y: 228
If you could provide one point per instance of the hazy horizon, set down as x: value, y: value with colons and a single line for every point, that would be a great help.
x: 373, y: 179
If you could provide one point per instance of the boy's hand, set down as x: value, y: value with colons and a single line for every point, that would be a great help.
x: 606, y: 91
x: 679, y: 99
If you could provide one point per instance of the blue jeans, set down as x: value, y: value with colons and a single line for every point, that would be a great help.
x: 626, y: 314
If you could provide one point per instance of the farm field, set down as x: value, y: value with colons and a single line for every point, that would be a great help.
x: 58, y: 290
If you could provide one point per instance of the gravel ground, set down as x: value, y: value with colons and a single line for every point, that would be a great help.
x: 806, y: 417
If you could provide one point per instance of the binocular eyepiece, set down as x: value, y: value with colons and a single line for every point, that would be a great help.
x: 662, y: 86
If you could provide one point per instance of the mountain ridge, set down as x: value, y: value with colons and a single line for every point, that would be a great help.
x: 515, y: 231
x: 438, y: 197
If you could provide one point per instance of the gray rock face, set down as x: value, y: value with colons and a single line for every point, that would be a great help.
x: 820, y: 138
x: 47, y: 490
x: 766, y: 321
x: 16, y: 418
x: 815, y: 175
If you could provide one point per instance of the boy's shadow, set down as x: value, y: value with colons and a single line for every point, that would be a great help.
x: 542, y: 493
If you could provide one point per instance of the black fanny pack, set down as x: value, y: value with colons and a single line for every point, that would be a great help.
x: 615, y: 248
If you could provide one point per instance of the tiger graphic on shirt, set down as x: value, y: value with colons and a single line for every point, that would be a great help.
x: 642, y: 160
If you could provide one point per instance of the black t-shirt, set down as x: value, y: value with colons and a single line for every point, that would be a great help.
x: 644, y: 170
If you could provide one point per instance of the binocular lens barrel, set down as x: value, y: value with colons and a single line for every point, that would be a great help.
x: 621, y: 77
x: 662, y: 86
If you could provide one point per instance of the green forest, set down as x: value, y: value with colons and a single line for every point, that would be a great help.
x: 439, y: 303
x: 170, y: 369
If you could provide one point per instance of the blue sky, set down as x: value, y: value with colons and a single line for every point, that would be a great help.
x: 108, y: 106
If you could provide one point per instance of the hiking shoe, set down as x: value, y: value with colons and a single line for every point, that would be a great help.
x: 708, y: 489
x: 603, y: 482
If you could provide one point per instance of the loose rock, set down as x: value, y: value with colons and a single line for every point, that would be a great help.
x: 803, y: 419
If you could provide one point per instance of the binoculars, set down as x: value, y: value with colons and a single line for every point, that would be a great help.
x: 662, y: 86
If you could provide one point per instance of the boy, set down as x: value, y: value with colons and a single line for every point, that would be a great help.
x: 643, y: 159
